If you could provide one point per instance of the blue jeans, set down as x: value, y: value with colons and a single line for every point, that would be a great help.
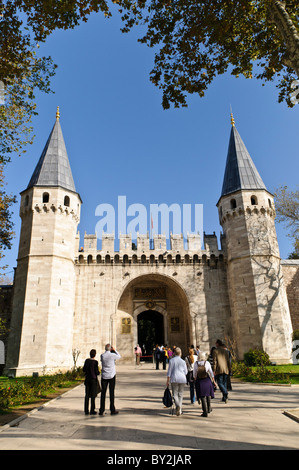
x: 192, y: 394
x: 221, y: 380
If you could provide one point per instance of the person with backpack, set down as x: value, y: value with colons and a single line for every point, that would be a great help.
x: 204, y: 383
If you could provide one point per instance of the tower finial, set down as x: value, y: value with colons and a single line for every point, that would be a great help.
x: 57, y: 114
x: 232, y: 117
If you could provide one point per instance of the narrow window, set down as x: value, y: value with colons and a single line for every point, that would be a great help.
x: 45, y: 197
x: 253, y: 200
x: 233, y: 204
x: 67, y: 201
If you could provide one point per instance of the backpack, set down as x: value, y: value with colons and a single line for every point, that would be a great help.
x: 201, y: 372
x: 167, y: 398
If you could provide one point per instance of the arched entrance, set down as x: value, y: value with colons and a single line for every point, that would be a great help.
x: 150, y: 330
x: 152, y: 308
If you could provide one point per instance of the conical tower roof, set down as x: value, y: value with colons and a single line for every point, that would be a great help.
x: 240, y: 171
x: 53, y: 168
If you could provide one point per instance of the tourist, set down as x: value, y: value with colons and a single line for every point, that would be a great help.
x: 108, y: 359
x: 138, y: 354
x: 190, y: 360
x: 91, y: 371
x: 169, y: 353
x: 210, y: 358
x: 204, y: 383
x: 157, y: 355
x: 176, y: 375
x: 163, y: 357
x: 221, y: 367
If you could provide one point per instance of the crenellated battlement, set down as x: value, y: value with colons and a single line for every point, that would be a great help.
x: 150, y: 251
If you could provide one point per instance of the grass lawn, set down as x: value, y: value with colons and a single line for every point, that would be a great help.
x: 280, y: 374
x: 292, y: 370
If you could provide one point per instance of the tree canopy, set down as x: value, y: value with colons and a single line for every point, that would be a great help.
x: 196, y: 40
x: 287, y: 210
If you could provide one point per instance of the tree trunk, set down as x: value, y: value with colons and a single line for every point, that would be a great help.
x: 280, y: 17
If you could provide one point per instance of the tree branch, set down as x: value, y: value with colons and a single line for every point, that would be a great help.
x: 280, y: 17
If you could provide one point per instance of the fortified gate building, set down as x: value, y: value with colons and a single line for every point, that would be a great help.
x: 67, y: 299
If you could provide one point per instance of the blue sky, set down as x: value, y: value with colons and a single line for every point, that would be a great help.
x: 121, y: 142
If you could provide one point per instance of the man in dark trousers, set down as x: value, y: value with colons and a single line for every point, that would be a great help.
x: 221, y: 367
x: 108, y: 359
x: 91, y: 371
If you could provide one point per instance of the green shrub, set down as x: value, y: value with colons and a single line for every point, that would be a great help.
x: 295, y: 335
x: 256, y: 357
x: 15, y: 392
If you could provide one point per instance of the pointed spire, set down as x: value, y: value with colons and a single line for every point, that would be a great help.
x: 53, y: 168
x: 240, y: 171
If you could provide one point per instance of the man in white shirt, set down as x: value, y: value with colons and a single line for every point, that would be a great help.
x: 108, y: 359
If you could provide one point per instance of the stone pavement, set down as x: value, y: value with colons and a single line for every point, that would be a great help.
x: 253, y: 419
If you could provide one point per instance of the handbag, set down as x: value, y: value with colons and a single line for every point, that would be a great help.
x: 99, y: 386
x: 167, y: 398
x: 189, y: 377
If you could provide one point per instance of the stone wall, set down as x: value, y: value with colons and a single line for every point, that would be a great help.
x: 290, y: 270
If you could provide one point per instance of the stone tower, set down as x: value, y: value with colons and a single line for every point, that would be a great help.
x: 260, y: 315
x: 41, y: 330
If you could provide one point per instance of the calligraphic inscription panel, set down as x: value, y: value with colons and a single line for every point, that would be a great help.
x: 150, y: 292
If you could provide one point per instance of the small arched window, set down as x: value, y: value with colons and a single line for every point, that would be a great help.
x: 67, y: 201
x: 45, y: 197
x: 253, y: 200
x: 270, y: 203
x: 26, y: 200
x: 233, y: 204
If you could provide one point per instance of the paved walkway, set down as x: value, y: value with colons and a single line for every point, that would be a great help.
x: 253, y: 419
